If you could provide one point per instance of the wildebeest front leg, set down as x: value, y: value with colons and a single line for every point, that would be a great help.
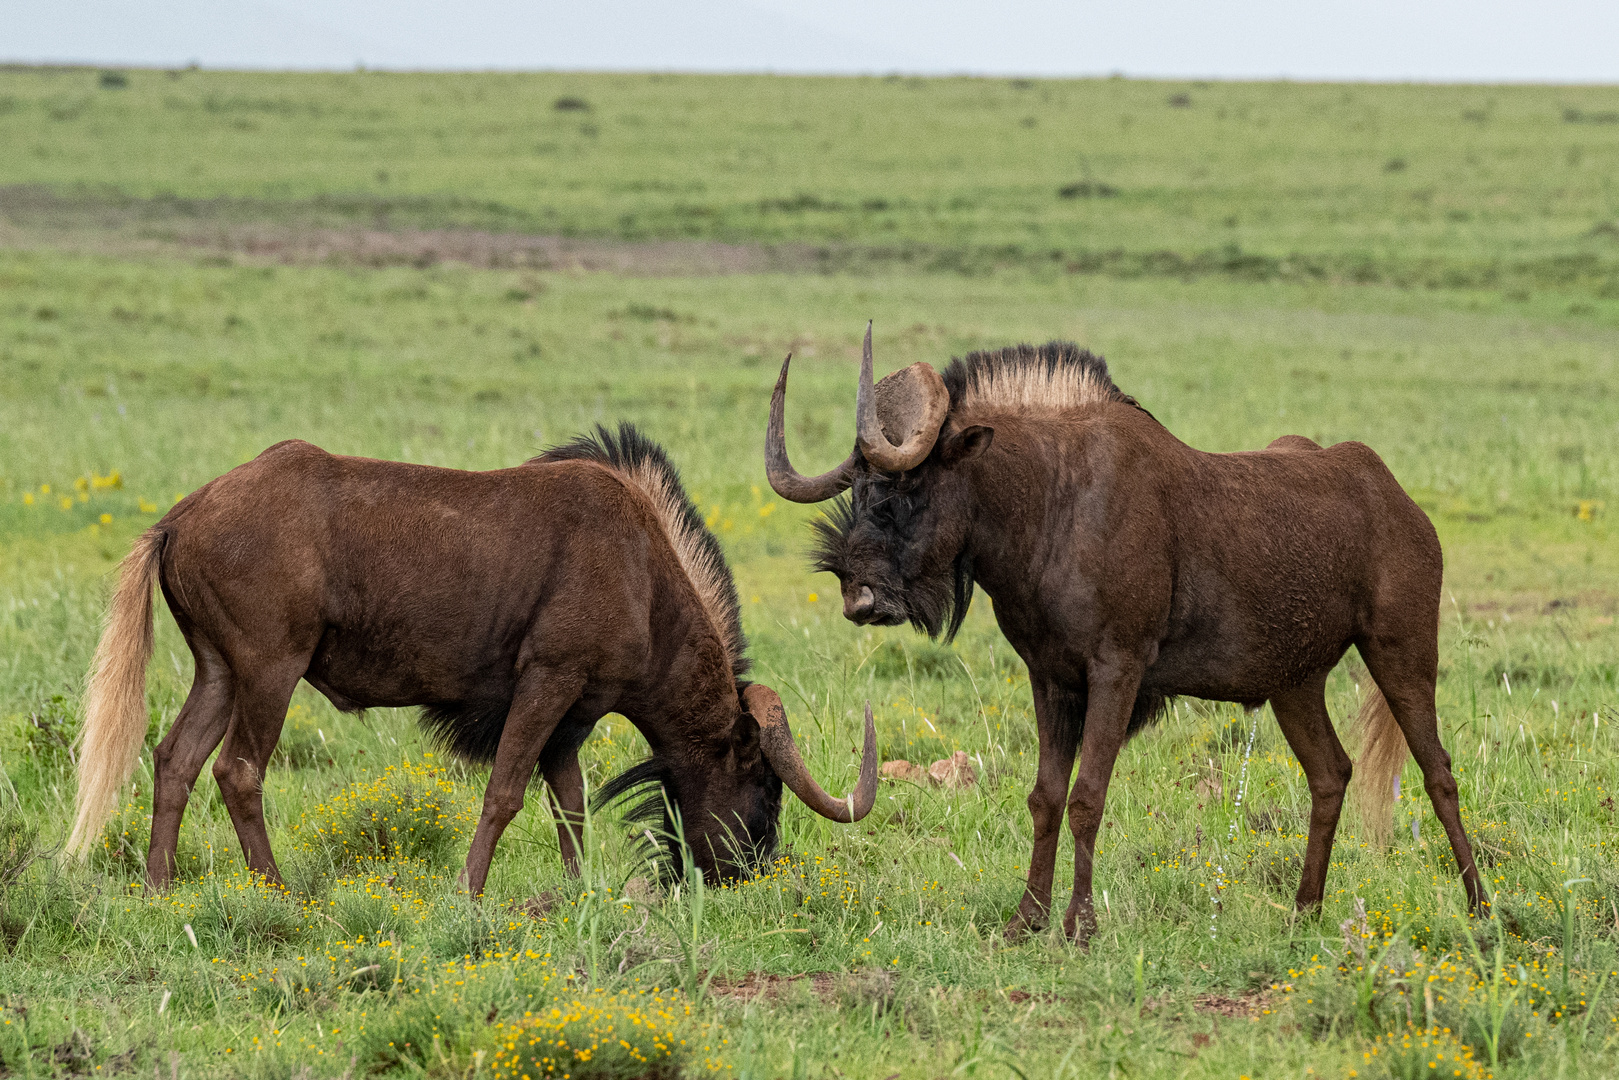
x: 543, y: 697
x: 1301, y: 713
x: 1114, y: 684
x: 1046, y: 802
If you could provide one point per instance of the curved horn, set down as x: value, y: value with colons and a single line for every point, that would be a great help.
x: 784, y: 480
x: 920, y: 403
x: 776, y: 740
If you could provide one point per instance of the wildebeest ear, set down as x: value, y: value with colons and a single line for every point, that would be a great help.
x: 746, y: 728
x: 967, y: 443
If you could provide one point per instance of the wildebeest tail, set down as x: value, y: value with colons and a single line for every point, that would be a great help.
x: 1382, y: 755
x: 115, y: 701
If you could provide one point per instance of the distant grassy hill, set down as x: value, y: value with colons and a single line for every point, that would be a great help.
x: 1496, y: 187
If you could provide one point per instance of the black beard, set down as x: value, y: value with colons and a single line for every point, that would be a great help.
x: 939, y: 605
x: 933, y: 605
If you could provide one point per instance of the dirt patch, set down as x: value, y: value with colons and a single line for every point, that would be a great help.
x: 1249, y: 1005
x: 757, y: 985
x: 537, y: 907
x: 1020, y: 997
x: 354, y: 234
x: 421, y: 230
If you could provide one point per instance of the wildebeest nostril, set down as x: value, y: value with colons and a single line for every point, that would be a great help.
x: 860, y: 604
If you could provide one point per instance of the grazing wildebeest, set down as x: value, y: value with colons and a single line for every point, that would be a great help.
x: 516, y: 606
x: 1126, y: 567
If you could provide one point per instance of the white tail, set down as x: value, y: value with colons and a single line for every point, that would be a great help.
x: 1382, y: 755
x: 115, y: 702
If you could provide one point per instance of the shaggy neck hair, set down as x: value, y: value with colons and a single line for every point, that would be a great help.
x: 644, y: 464
x: 1026, y: 380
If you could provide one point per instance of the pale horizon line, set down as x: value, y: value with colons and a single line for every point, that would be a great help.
x: 891, y: 73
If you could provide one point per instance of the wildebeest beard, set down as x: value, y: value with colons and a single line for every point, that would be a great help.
x: 865, y: 537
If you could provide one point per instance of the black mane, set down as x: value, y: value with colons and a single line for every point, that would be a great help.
x: 628, y: 449
x: 650, y: 784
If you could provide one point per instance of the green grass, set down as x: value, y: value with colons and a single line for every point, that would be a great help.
x: 1499, y: 187
x: 873, y: 950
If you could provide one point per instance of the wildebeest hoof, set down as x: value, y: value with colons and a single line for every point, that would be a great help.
x: 1021, y: 926
x: 1079, y: 936
x: 1078, y: 927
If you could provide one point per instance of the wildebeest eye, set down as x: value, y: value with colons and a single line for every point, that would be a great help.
x: 891, y: 507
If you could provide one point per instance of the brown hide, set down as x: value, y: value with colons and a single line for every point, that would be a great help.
x: 1126, y: 567
x: 517, y: 606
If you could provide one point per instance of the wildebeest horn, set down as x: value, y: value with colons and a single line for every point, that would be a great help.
x: 913, y: 406
x: 776, y: 740
x: 784, y: 480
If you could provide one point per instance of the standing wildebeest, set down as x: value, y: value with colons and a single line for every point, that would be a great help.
x: 1126, y: 567
x: 516, y: 606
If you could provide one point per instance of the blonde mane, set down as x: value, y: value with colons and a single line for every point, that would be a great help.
x: 698, y: 554
x: 644, y: 465
x: 1049, y: 379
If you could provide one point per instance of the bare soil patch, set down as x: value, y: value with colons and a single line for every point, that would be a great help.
x: 1245, y: 1006
x: 757, y: 984
x: 343, y: 234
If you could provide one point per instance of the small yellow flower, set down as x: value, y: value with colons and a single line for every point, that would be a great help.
x: 106, y: 519
x: 813, y: 597
x: 28, y: 498
x: 44, y: 489
x: 65, y: 502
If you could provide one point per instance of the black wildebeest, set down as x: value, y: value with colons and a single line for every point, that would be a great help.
x: 1126, y: 567
x: 516, y: 606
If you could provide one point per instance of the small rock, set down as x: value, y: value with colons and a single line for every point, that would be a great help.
x: 904, y: 770
x: 954, y: 771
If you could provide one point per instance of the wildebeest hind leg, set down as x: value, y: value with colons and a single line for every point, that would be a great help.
x: 543, y: 697
x: 559, y: 763
x: 1301, y: 713
x: 262, y: 695
x: 1407, y: 680
x: 1057, y: 730
x: 180, y: 757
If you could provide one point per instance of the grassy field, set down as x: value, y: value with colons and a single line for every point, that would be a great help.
x: 1253, y: 262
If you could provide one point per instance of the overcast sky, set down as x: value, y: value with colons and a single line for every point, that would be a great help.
x: 1433, y: 40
